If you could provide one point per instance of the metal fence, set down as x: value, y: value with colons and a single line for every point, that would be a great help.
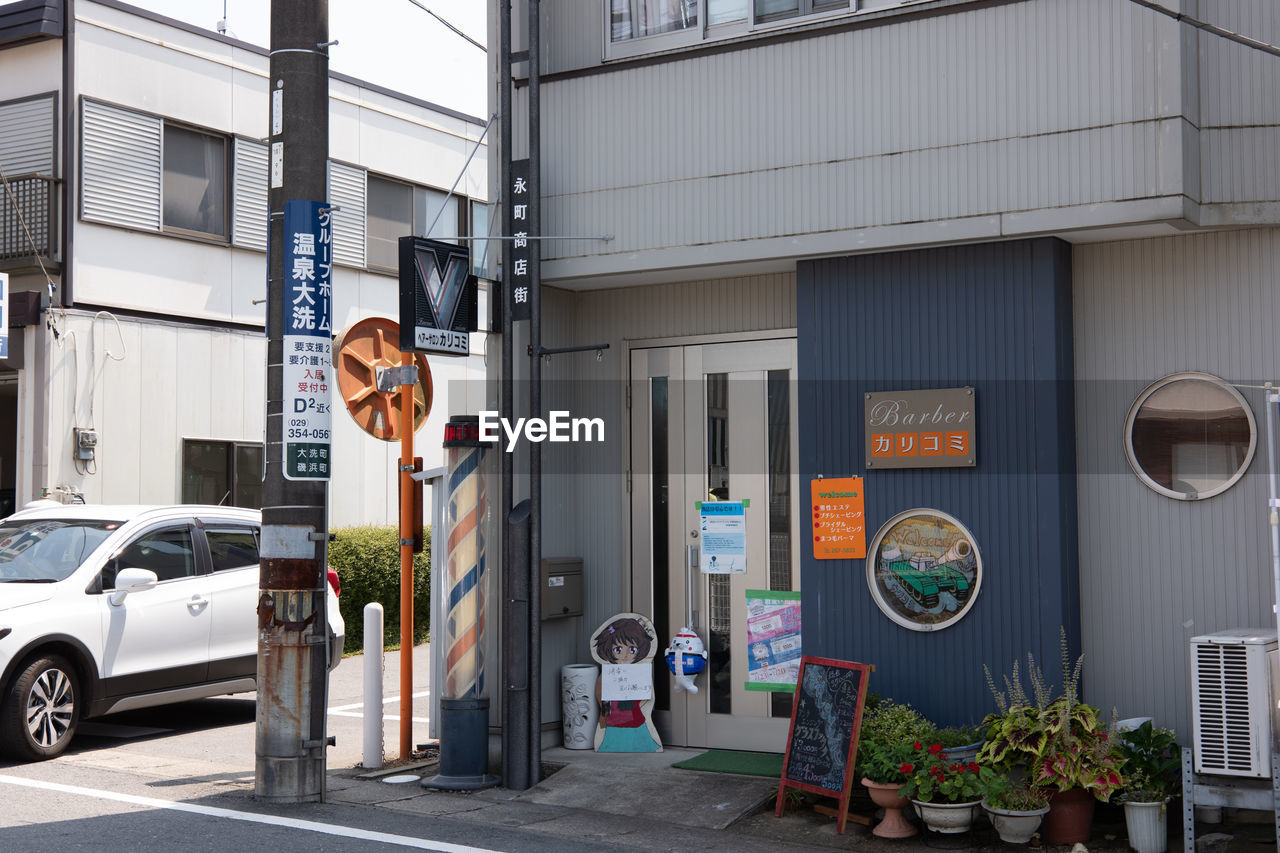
x: 28, y: 218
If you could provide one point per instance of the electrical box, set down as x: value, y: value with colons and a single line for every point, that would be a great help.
x: 561, y: 587
x: 1233, y: 702
x: 86, y: 443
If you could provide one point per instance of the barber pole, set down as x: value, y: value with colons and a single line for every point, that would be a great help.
x: 464, y: 629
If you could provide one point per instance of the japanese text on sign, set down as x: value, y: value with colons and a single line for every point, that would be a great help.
x: 773, y: 639
x: 308, y: 345
x: 839, y: 523
x: 920, y: 429
x: 519, y: 278
x: 724, y: 538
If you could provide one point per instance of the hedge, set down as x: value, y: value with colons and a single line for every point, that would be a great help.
x: 367, y: 560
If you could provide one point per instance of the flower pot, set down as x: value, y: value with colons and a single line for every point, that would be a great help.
x: 1148, y: 826
x: 894, y: 824
x: 964, y: 754
x: 1070, y: 817
x: 1015, y: 827
x: 949, y: 818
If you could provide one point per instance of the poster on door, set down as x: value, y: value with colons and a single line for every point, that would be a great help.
x: 724, y: 537
x: 773, y: 640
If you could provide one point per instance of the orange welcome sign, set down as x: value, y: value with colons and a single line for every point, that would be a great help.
x: 838, y: 517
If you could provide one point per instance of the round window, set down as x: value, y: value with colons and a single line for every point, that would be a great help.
x: 924, y: 570
x: 1190, y: 436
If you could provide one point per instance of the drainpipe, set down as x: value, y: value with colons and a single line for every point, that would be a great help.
x: 69, y: 135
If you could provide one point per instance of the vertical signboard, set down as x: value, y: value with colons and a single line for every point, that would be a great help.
x: 519, y: 276
x: 773, y: 636
x: 4, y: 315
x: 839, y: 523
x: 308, y: 342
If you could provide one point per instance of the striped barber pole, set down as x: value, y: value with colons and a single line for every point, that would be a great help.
x: 464, y: 571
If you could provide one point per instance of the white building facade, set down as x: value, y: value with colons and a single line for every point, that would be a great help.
x: 135, y: 235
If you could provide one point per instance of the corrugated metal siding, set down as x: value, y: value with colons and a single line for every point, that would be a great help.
x: 347, y: 190
x: 27, y: 136
x: 120, y: 167
x: 996, y: 317
x: 572, y: 32
x: 249, y: 195
x: 1155, y: 572
x: 1008, y: 108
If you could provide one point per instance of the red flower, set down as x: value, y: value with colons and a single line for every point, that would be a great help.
x: 956, y: 768
x: 907, y: 768
x: 919, y: 745
x: 935, y: 748
x: 973, y: 767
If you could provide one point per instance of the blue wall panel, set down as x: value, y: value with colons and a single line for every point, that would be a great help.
x: 996, y: 317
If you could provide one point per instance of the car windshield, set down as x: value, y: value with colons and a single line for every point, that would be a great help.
x: 46, y: 550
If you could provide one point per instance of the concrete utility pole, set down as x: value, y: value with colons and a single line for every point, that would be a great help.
x: 292, y: 624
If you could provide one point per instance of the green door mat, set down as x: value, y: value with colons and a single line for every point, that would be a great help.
x: 734, y: 761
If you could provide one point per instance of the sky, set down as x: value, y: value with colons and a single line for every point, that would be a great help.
x: 393, y: 43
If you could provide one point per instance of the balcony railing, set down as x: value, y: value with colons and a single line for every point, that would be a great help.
x: 28, y: 221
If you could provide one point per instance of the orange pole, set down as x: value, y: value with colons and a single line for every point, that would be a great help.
x: 406, y: 563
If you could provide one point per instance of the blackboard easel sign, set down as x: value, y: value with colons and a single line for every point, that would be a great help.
x: 825, y: 720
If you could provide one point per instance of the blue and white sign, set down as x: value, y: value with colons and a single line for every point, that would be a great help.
x: 4, y: 315
x: 724, y: 538
x: 308, y: 340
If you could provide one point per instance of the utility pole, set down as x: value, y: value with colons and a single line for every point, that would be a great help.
x: 292, y: 623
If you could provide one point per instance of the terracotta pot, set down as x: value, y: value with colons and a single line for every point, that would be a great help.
x: 1070, y: 817
x: 894, y: 824
x: 948, y: 818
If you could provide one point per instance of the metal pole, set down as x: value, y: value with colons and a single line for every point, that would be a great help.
x: 1272, y: 398
x: 292, y: 624
x: 535, y: 397
x: 407, y: 524
x: 373, y: 643
x: 513, y: 640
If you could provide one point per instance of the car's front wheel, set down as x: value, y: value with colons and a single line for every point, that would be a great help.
x: 39, y: 711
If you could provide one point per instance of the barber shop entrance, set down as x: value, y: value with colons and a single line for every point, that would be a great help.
x: 714, y: 422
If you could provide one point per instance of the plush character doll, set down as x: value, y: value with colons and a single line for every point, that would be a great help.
x: 686, y: 657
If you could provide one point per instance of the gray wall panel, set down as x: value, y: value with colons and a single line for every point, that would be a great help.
x: 1155, y: 572
x: 1015, y: 107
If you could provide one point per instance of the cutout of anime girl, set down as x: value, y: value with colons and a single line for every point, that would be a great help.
x: 625, y: 725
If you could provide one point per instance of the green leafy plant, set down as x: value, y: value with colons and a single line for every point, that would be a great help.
x: 1059, y: 738
x: 889, y: 763
x: 954, y: 736
x: 933, y: 778
x: 889, y: 723
x: 367, y: 560
x: 1004, y: 793
x: 1150, y: 764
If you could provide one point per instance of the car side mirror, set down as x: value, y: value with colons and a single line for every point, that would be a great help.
x: 132, y: 580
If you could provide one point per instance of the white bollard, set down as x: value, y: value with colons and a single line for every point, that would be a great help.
x: 372, y: 686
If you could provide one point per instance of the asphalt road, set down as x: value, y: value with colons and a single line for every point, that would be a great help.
x: 180, y: 778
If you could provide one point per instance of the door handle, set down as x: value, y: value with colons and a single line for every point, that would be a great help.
x: 197, y: 601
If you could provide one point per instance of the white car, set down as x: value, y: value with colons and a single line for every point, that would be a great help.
x: 110, y: 608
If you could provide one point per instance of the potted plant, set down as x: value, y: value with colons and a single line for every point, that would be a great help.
x: 1015, y: 809
x: 961, y: 742
x: 1151, y: 778
x: 1060, y: 743
x: 885, y: 769
x: 946, y: 793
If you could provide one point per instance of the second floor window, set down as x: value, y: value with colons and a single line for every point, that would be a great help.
x: 398, y: 210
x: 194, y: 182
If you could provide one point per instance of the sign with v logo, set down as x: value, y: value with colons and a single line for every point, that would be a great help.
x: 437, y: 297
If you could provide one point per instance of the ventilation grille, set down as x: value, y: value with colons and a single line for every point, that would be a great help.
x: 1223, y: 723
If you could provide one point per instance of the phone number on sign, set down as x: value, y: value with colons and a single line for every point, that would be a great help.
x: 316, y: 434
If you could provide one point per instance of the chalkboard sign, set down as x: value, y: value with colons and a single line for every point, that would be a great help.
x: 825, y: 719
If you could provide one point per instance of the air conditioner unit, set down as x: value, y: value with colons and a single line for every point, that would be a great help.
x: 1234, y: 675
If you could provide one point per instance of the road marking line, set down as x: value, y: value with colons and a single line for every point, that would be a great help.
x: 386, y: 701
x: 249, y: 817
x: 385, y: 717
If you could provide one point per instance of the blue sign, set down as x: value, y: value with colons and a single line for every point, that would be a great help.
x: 308, y: 340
